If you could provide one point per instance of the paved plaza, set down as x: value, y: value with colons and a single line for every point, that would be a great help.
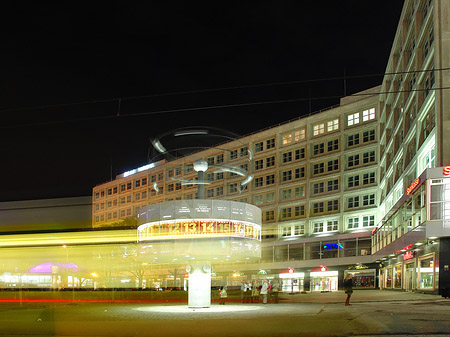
x: 373, y: 313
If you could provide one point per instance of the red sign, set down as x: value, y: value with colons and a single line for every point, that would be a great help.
x: 413, y: 186
x: 323, y: 268
x: 291, y: 270
x: 408, y: 255
x: 447, y: 170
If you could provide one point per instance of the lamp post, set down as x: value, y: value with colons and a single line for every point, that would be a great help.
x: 201, y: 166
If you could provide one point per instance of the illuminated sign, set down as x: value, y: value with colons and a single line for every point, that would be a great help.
x: 359, y: 267
x: 404, y: 249
x: 333, y: 246
x: 139, y: 169
x: 374, y: 230
x: 199, y: 227
x: 323, y: 268
x: 408, y: 255
x: 446, y: 170
x: 291, y: 270
x: 413, y: 186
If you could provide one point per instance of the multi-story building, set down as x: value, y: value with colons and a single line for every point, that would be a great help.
x: 314, y: 178
x: 324, y: 182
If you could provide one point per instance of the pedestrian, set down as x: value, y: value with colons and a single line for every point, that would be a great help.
x: 255, y: 292
x: 223, y: 295
x: 247, y: 292
x: 348, y: 288
x: 264, y: 290
x: 275, y: 291
x: 243, y: 287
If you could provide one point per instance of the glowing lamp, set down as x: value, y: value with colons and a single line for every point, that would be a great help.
x: 200, y: 166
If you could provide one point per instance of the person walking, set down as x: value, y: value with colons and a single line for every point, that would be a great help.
x: 348, y: 288
x: 223, y: 295
x: 255, y: 292
x: 264, y: 290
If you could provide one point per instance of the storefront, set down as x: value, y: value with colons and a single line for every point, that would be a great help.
x: 363, y: 278
x: 292, y: 282
x: 324, y: 280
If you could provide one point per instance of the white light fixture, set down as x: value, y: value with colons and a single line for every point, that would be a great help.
x: 200, y: 166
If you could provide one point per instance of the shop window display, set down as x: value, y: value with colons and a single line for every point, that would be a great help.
x: 389, y: 277
x: 426, y: 273
x: 398, y: 277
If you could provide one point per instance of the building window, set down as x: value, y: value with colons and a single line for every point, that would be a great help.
x: 368, y: 178
x: 219, y: 158
x: 259, y: 182
x: 270, y: 179
x: 318, y: 149
x: 353, y: 181
x: 353, y: 119
x: 219, y: 176
x: 270, y: 161
x: 332, y: 205
x: 243, y: 151
x: 332, y: 225
x: 299, y: 229
x: 129, y: 186
x: 270, y: 197
x: 259, y: 147
x: 286, y: 175
x: 259, y: 164
x: 368, y: 136
x: 368, y: 199
x: 233, y: 154
x: 269, y: 215
x: 233, y: 188
x: 333, y: 165
x: 333, y: 125
x: 299, y: 191
x: 317, y: 227
x: 299, y: 172
x: 368, y: 157
x: 318, y: 188
x: 368, y: 220
x: 258, y: 199
x: 210, y: 193
x: 368, y: 114
x: 353, y: 202
x: 287, y: 157
x: 286, y: 213
x: 318, y: 168
x: 333, y: 145
x: 286, y: 194
x: 353, y: 140
x: 353, y: 222
x: 333, y: 185
x: 353, y: 160
x: 219, y: 190
x: 300, y: 154
x: 299, y: 210
x: 317, y: 207
x: 318, y: 129
x: 122, y: 188
x: 270, y: 143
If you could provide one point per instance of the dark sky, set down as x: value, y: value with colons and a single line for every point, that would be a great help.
x: 64, y: 67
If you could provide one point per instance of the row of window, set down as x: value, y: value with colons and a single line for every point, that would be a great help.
x: 331, y: 225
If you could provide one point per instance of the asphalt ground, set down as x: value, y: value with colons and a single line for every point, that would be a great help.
x: 373, y: 313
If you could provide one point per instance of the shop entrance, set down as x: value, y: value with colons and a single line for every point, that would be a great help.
x: 292, y: 282
x: 324, y: 281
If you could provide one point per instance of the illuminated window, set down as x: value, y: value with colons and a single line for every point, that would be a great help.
x: 353, y: 119
x: 299, y: 135
x: 317, y: 227
x: 368, y: 114
x: 318, y: 129
x: 333, y: 125
x: 288, y: 139
x: 332, y: 225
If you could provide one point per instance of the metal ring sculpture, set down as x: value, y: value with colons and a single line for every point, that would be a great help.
x: 193, y: 140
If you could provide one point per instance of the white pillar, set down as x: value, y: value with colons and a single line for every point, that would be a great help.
x: 199, y: 295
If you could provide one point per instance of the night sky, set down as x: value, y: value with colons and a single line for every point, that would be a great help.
x: 64, y: 68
